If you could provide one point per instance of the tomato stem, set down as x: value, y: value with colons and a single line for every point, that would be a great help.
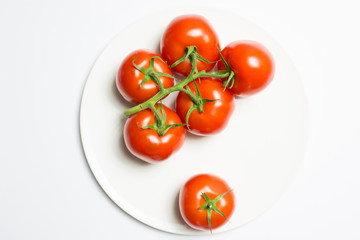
x: 178, y: 87
x: 230, y: 78
x: 210, y: 205
x: 160, y: 120
x: 193, y: 56
x: 150, y: 74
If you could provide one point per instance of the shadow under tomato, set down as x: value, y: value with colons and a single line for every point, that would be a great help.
x: 129, y: 156
x: 119, y: 98
x: 176, y: 209
x: 193, y: 136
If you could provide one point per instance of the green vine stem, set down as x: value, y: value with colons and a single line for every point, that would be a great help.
x: 178, y: 87
x: 194, y: 74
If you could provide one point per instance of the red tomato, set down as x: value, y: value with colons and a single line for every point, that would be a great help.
x: 189, y: 30
x: 215, y: 115
x: 252, y: 64
x: 129, y: 78
x: 147, y: 144
x: 191, y: 198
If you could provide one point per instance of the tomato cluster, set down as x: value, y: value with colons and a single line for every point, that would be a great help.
x: 205, y: 102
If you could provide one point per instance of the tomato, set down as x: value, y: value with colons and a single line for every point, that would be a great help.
x: 129, y: 78
x: 252, y: 64
x: 191, y: 200
x: 147, y: 144
x: 215, y: 115
x: 190, y: 30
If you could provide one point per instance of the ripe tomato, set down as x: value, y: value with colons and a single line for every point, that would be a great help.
x: 216, y: 114
x: 252, y: 64
x: 191, y: 200
x: 129, y: 78
x: 147, y: 144
x: 189, y: 30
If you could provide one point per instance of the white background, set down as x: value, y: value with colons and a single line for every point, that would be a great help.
x: 46, y: 52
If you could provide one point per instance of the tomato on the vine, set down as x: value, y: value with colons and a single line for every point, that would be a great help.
x: 185, y: 31
x: 129, y: 80
x: 206, y: 202
x: 215, y: 113
x: 252, y: 65
x: 146, y: 143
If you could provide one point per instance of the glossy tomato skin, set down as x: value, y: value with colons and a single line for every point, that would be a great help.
x: 215, y: 115
x: 252, y: 64
x: 129, y: 78
x: 190, y: 200
x: 190, y: 30
x: 147, y: 144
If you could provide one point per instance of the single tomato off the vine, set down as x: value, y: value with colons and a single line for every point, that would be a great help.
x: 214, y: 115
x: 129, y: 78
x: 185, y: 31
x: 206, y: 202
x: 147, y: 144
x: 252, y: 65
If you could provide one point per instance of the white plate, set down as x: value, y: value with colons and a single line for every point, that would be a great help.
x: 257, y: 154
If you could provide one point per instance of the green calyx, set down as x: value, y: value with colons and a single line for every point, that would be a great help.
x: 231, y: 76
x: 150, y: 74
x: 191, y: 54
x: 160, y: 118
x: 210, y: 206
x: 198, y: 102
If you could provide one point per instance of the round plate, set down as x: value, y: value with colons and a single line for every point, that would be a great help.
x: 257, y: 154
